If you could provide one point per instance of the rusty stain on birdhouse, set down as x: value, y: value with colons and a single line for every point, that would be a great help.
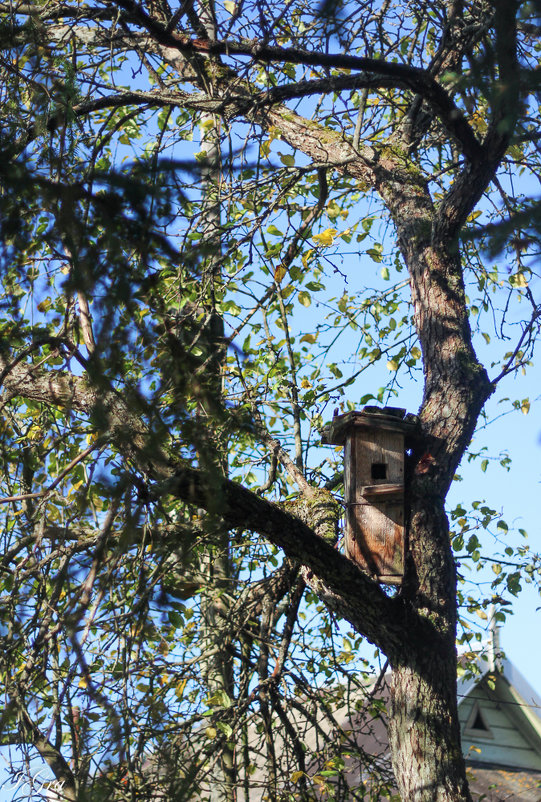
x: 375, y: 442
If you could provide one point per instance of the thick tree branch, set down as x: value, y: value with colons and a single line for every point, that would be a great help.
x: 349, y: 592
x: 477, y: 175
x: 417, y: 80
x: 337, y: 579
x: 51, y: 755
x: 378, y: 73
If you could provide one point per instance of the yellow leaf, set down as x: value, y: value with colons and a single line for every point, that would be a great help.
x: 279, y: 273
x: 518, y: 280
x: 306, y: 384
x: 207, y: 124
x: 45, y: 305
x: 326, y: 237
x: 34, y: 433
x: 230, y: 6
x: 274, y: 133
x: 309, y: 338
x: 83, y: 683
x: 179, y: 688
x: 392, y: 364
x: 525, y: 406
x: 333, y: 210
x: 211, y: 732
x: 296, y: 776
x: 307, y: 256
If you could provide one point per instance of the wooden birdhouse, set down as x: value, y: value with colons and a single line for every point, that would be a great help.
x: 375, y: 442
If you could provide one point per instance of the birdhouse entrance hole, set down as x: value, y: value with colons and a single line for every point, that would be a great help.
x: 379, y: 470
x: 375, y: 443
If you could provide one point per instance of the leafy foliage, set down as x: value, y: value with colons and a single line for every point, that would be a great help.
x: 198, y: 267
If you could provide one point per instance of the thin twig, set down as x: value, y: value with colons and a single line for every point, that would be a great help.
x: 58, y: 479
x: 527, y: 332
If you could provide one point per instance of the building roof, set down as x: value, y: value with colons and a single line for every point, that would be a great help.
x: 496, y: 784
x: 500, y: 719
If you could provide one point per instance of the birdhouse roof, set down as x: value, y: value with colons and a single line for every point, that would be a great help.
x: 390, y: 419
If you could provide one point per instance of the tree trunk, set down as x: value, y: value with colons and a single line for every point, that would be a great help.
x: 423, y: 729
x: 424, y: 732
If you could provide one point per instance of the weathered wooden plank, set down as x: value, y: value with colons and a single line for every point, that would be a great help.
x: 375, y: 537
x: 383, y: 492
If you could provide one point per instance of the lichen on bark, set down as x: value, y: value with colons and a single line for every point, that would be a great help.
x: 320, y: 511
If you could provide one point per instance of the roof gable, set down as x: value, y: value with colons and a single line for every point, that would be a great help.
x: 498, y: 725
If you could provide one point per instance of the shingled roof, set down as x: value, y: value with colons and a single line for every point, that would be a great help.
x: 495, y: 784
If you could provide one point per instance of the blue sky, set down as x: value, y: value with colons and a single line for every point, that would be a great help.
x: 516, y: 494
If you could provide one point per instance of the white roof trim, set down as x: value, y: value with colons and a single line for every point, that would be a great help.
x: 525, y: 695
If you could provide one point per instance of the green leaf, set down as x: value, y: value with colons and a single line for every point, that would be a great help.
x: 45, y: 305
x: 287, y: 159
x: 376, y: 252
x: 225, y: 728
x: 458, y: 543
x: 218, y: 699
x: 231, y: 307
